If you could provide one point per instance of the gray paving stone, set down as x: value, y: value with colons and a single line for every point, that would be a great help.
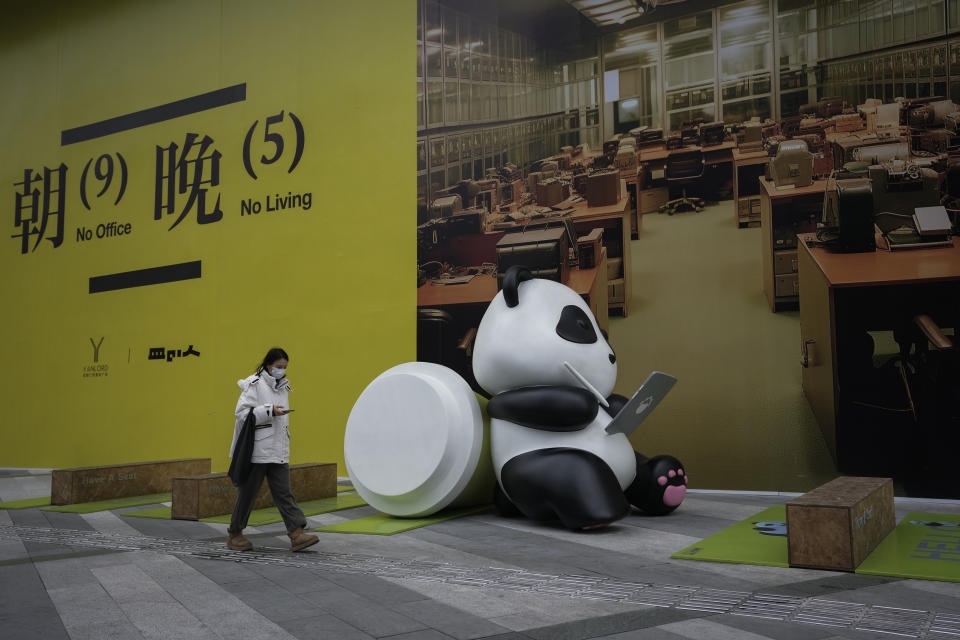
x: 451, y: 621
x: 830, y: 584
x: 653, y: 633
x: 292, y: 579
x: 221, y: 572
x: 273, y: 601
x: 85, y: 605
x: 359, y: 612
x: 704, y: 628
x: 323, y: 627
x: 209, y: 603
x: 761, y: 501
x: 901, y: 594
x: 706, y: 506
x: 25, y: 486
x: 609, y: 625
x: 503, y: 553
x: 76, y: 571
x: 128, y: 584
x: 109, y: 522
x: 26, y: 610
x: 538, y: 552
x: 178, y: 529
x: 375, y: 588
x: 648, y: 545
x: 45, y: 519
x: 764, y: 578
x: 58, y: 520
x: 12, y: 550
x: 426, y: 634
x: 520, y: 548
x: 486, y: 603
x: 685, y: 523
x: 51, y: 553
x: 121, y: 629
x: 164, y: 620
x: 30, y: 517
x: 775, y: 629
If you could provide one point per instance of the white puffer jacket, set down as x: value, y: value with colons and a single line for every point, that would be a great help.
x: 272, y: 437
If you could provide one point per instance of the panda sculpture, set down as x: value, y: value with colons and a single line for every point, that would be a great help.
x: 551, y: 454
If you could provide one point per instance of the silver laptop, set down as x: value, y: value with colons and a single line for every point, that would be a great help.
x: 642, y: 404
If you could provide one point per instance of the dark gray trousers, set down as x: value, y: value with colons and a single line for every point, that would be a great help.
x: 278, y: 479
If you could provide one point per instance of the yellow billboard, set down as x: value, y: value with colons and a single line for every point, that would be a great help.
x: 187, y: 184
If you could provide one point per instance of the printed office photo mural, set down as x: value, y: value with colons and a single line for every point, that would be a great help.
x: 183, y: 191
x: 549, y: 132
x: 524, y: 223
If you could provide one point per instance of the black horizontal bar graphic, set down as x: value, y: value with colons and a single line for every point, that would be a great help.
x: 145, y: 277
x: 169, y: 111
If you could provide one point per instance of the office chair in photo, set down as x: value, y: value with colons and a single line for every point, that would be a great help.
x: 683, y: 168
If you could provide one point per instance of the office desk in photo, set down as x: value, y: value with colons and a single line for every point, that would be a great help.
x: 783, y: 214
x: 717, y: 160
x: 590, y: 284
x: 748, y: 167
x: 614, y: 219
x: 844, y: 294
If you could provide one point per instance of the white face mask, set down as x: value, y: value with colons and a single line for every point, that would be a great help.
x: 278, y: 373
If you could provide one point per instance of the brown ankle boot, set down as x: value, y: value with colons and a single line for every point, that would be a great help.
x: 300, y: 540
x: 237, y: 542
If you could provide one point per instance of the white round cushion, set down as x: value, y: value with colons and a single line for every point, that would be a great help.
x: 413, y: 439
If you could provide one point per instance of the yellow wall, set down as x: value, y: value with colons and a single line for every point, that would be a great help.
x: 333, y: 285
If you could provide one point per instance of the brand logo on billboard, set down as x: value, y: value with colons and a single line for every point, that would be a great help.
x: 162, y: 353
x: 97, y: 369
x: 96, y: 348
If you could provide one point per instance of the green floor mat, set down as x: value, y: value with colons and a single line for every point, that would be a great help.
x: 160, y: 513
x: 310, y: 508
x: 925, y: 546
x: 383, y: 525
x: 746, y: 542
x: 26, y: 503
x: 107, y: 505
x: 269, y: 515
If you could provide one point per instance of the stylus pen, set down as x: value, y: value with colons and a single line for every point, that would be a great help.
x: 576, y: 374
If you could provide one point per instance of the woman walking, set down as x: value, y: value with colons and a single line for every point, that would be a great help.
x: 265, y: 393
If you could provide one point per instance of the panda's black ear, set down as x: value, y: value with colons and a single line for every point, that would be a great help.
x: 511, y: 284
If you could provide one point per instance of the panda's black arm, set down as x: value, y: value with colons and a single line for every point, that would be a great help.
x: 546, y: 408
x: 616, y: 402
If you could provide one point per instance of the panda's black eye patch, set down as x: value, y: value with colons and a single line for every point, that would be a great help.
x: 575, y: 326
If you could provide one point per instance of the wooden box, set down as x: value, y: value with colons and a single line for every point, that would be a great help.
x: 837, y: 525
x: 603, y: 188
x: 551, y: 192
x: 213, y: 494
x: 89, y: 484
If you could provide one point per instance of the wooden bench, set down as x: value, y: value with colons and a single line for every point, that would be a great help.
x: 837, y: 525
x: 90, y: 484
x: 213, y: 494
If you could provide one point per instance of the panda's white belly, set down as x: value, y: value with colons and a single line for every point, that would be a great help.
x: 508, y: 440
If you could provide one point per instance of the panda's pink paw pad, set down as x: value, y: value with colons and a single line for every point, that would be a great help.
x: 675, y: 487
